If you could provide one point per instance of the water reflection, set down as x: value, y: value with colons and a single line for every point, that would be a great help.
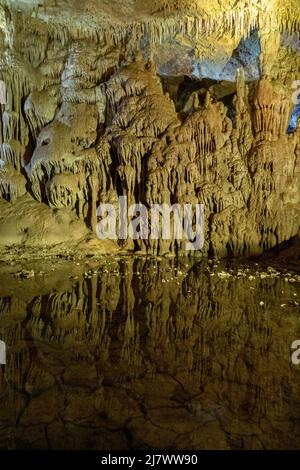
x: 150, y: 354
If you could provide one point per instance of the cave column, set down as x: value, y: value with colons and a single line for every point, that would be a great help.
x: 94, y: 186
x: 269, y: 35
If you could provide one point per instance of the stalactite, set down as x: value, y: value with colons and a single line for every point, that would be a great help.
x: 12, y: 183
x: 271, y: 109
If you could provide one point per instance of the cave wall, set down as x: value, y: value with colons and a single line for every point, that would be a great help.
x: 88, y: 116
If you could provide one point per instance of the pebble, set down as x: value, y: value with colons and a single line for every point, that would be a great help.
x: 24, y: 274
x: 224, y: 274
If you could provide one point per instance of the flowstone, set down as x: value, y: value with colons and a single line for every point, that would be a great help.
x: 96, y: 107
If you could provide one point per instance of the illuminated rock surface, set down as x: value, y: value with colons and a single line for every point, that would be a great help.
x: 165, y: 101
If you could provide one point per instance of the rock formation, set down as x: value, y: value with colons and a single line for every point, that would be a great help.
x: 98, y: 105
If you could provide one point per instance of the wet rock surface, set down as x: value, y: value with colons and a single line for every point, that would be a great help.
x: 129, y: 353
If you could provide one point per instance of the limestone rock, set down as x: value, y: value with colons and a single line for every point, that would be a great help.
x: 124, y: 98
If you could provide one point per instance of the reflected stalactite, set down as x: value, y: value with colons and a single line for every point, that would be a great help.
x: 159, y: 332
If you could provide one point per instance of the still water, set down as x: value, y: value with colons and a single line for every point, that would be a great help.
x: 144, y: 353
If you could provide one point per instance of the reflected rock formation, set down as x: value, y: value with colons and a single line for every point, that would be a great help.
x: 162, y: 102
x: 151, y: 354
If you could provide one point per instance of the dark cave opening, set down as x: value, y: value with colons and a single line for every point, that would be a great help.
x: 217, y: 77
x: 181, y: 90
